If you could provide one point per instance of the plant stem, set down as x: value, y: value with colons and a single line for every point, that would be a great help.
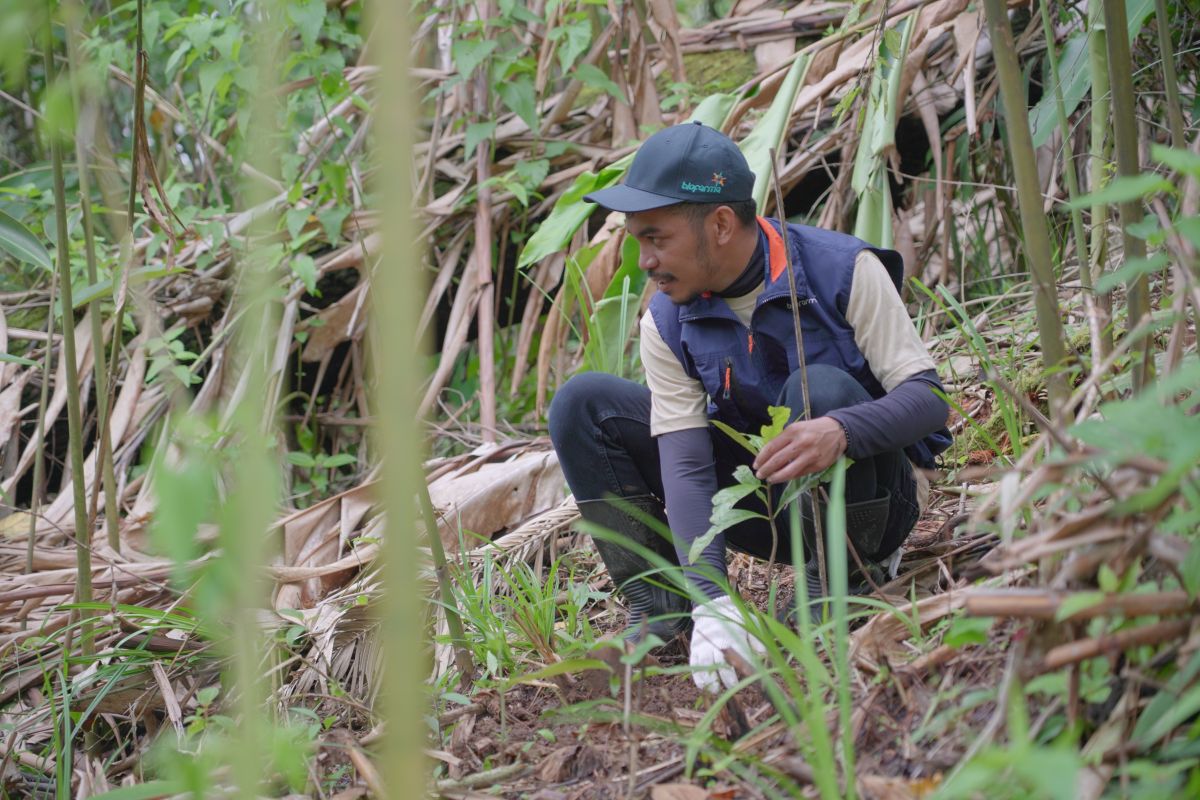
x: 398, y: 373
x: 1035, y: 233
x: 1097, y: 159
x: 1120, y: 74
x: 104, y: 454
x: 462, y: 655
x: 1081, y: 244
x: 83, y: 555
x: 39, y: 458
x: 1170, y: 80
x: 126, y: 256
x: 787, y: 249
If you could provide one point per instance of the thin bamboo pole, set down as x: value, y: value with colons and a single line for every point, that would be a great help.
x: 1170, y: 79
x: 83, y: 538
x: 1077, y: 230
x: 483, y: 254
x: 39, y: 456
x: 1098, y: 152
x: 1035, y: 233
x: 395, y: 303
x: 1120, y: 75
x: 104, y: 455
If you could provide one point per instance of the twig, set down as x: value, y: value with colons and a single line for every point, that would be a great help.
x: 1073, y: 652
x: 813, y: 496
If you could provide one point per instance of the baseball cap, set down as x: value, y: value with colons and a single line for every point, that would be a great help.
x: 688, y: 163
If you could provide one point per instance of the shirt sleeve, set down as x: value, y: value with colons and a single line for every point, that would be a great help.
x: 689, y: 474
x: 677, y: 401
x: 883, y: 330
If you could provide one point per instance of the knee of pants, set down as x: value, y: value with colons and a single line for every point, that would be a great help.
x: 828, y: 388
x: 574, y: 410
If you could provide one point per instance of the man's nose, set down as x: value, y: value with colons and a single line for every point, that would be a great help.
x: 646, y: 260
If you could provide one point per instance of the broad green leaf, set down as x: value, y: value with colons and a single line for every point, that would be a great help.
x: 299, y: 459
x: 306, y: 270
x: 723, y: 522
x: 1131, y: 270
x: 779, y: 421
x: 1077, y: 602
x: 533, y: 172
x: 477, y: 132
x: 518, y: 94
x: 593, y: 76
x: 331, y: 220
x: 1180, y: 160
x: 468, y: 54
x: 1130, y: 187
x: 295, y: 219
x: 769, y: 131
x: 1075, y: 73
x: 21, y: 244
x: 575, y: 37
x: 308, y: 15
x: 967, y: 631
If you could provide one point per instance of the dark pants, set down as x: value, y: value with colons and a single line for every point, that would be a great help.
x: 600, y: 427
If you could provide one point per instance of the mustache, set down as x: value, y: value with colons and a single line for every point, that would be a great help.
x: 661, y: 276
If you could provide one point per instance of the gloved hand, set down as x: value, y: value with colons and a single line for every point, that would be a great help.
x: 717, y: 625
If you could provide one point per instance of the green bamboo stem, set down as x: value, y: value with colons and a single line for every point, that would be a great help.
x: 1170, y: 79
x: 1077, y: 230
x: 104, y: 454
x: 39, y: 456
x: 1035, y: 233
x: 125, y: 259
x: 1098, y: 153
x: 1120, y: 75
x: 83, y: 554
x: 458, y: 639
x: 251, y: 504
x: 398, y: 369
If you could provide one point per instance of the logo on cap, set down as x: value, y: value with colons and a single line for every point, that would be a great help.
x: 715, y: 187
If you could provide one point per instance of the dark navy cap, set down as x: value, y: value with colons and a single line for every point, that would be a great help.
x: 688, y: 163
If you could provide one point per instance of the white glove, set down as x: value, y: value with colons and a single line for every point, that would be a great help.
x: 717, y: 626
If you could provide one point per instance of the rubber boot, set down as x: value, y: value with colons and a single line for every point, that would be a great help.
x: 866, y: 523
x: 648, y: 603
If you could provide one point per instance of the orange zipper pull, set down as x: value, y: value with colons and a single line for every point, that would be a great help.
x: 749, y: 342
x: 728, y: 376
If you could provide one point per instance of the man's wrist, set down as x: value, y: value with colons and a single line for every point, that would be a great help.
x: 845, y: 434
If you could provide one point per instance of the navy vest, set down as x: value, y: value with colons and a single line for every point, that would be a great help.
x: 743, y: 369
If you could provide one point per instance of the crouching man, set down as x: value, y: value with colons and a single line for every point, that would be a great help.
x: 718, y: 343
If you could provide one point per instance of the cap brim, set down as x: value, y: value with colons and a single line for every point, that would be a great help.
x: 629, y: 200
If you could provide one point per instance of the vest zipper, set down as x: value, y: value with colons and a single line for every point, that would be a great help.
x: 728, y: 375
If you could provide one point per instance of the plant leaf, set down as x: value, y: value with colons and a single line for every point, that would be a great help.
x: 21, y: 244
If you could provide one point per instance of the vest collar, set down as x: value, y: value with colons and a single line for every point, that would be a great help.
x: 709, y: 306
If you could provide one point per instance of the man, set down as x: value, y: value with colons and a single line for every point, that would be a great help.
x: 718, y: 343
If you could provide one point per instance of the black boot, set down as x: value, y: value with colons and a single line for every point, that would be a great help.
x: 648, y: 603
x: 866, y: 523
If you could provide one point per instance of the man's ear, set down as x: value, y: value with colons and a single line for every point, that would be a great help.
x: 724, y: 224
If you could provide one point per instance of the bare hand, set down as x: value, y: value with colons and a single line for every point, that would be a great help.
x: 803, y: 448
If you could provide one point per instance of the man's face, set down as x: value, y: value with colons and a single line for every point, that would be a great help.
x: 674, y: 252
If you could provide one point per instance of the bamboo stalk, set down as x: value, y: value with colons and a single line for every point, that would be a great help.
x: 1081, y: 243
x: 1170, y: 79
x: 462, y: 655
x: 1120, y: 74
x: 1097, y: 159
x: 396, y: 308
x: 1035, y: 234
x: 83, y: 555
x: 39, y: 466
x: 485, y: 329
x: 104, y: 454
